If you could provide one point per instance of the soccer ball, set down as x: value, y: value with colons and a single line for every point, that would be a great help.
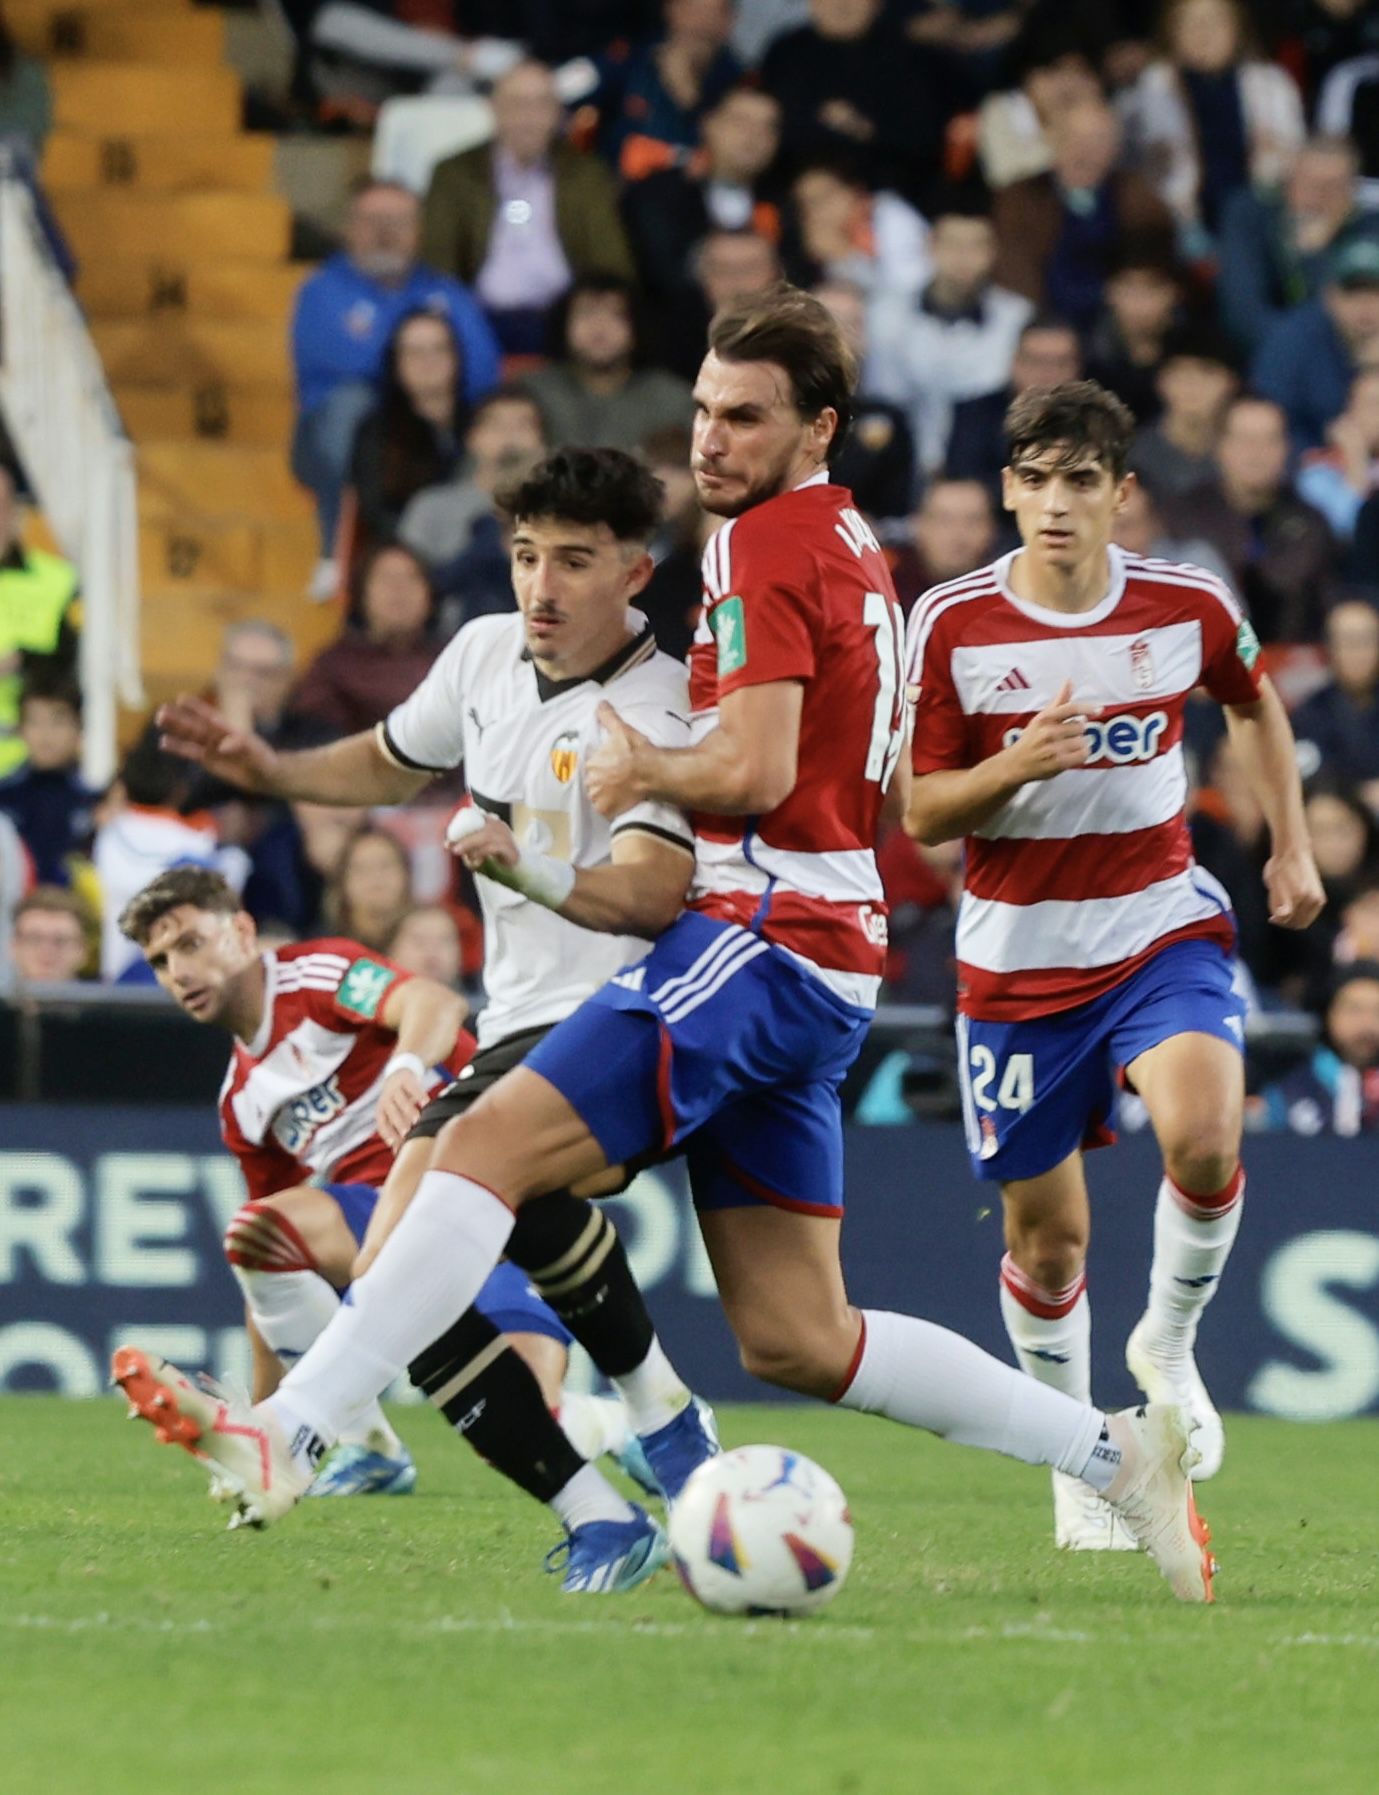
x: 761, y: 1530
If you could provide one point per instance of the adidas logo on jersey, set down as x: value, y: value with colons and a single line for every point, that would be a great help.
x: 1014, y: 681
x: 631, y: 980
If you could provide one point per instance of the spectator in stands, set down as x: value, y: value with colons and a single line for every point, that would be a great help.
x: 673, y: 595
x: 1359, y: 933
x: 1309, y: 358
x: 51, y: 937
x: 26, y: 104
x: 1196, y: 380
x: 321, y: 833
x: 250, y: 688
x: 725, y: 184
x: 876, y: 241
x: 360, y: 53
x: 1337, y: 1090
x: 1279, y: 550
x: 39, y: 618
x: 1348, y: 105
x: 726, y: 265
x: 955, y: 341
x: 414, y: 437
x: 427, y: 942
x: 1051, y: 72
x: 1059, y: 232
x: 1361, y: 566
x: 597, y: 393
x: 519, y: 218
x: 1210, y: 117
x: 1339, y: 478
x: 1047, y: 352
x: 146, y: 828
x: 952, y: 532
x: 1276, y: 244
x: 455, y: 529
x: 344, y: 317
x: 383, y: 653
x: 1139, y: 528
x: 371, y: 889
x: 16, y: 876
x: 1326, y: 33
x: 653, y: 96
x: 1126, y: 346
x: 1337, y: 728
x: 877, y: 461
x: 47, y: 800
x: 848, y: 81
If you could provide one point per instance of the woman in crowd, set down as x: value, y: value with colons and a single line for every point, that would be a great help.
x: 371, y: 890
x: 414, y: 436
x: 383, y: 653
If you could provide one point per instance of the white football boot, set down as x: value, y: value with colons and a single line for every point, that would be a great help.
x: 1152, y: 1494
x: 250, y: 1462
x: 1083, y: 1522
x: 1177, y: 1380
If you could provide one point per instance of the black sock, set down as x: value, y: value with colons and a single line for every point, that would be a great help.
x: 490, y: 1396
x: 571, y: 1252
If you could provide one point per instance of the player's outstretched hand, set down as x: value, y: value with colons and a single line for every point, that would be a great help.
x: 612, y: 774
x: 1054, y: 739
x: 197, y: 731
x: 1295, y: 890
x: 400, y: 1102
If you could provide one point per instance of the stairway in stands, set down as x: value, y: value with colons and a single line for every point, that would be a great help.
x: 182, y: 247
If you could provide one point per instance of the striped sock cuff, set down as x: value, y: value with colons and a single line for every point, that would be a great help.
x: 1213, y: 1204
x: 1048, y: 1305
x: 261, y: 1238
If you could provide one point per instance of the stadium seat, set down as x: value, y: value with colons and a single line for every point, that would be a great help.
x: 166, y: 34
x: 179, y: 351
x: 252, y: 416
x: 135, y: 287
x: 227, y: 480
x: 75, y: 159
x: 144, y: 99
x: 191, y: 225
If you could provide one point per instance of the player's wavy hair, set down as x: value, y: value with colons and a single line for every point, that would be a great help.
x: 1079, y: 418
x: 194, y: 885
x: 797, y: 332
x: 590, y: 486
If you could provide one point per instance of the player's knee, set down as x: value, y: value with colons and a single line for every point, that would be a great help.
x: 811, y: 1362
x: 1202, y: 1159
x: 1050, y: 1253
x: 260, y: 1237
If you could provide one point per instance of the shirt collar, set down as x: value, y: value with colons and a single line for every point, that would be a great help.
x: 640, y: 646
x: 975, y: 313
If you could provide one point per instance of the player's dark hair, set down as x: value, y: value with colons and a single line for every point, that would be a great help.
x: 589, y: 486
x: 194, y: 885
x: 1080, y: 418
x: 797, y: 332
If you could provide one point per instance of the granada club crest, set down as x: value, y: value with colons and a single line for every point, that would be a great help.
x: 565, y: 756
x: 1141, y: 665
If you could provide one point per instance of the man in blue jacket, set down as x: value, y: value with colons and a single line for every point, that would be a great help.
x: 1308, y: 358
x: 344, y: 316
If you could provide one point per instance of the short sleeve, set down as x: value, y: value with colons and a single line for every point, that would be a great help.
x: 667, y: 728
x: 425, y: 733
x: 939, y: 731
x: 343, y: 981
x: 764, y: 625
x: 1230, y: 650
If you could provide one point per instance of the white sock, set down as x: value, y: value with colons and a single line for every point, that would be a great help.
x: 654, y: 1393
x: 1193, y: 1237
x: 589, y: 1496
x: 923, y: 1375
x: 594, y: 1424
x: 1050, y: 1330
x: 291, y: 1309
x: 427, y: 1274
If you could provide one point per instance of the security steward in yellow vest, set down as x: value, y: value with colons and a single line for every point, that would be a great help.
x: 40, y: 615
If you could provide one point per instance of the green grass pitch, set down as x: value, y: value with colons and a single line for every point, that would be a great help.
x: 412, y: 1646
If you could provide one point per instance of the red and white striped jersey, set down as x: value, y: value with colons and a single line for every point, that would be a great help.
x: 299, y: 1100
x: 1077, y: 879
x: 797, y: 588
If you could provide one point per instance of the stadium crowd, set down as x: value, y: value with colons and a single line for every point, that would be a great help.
x: 1179, y: 200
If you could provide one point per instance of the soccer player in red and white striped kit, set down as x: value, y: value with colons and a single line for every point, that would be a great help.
x: 1049, y: 693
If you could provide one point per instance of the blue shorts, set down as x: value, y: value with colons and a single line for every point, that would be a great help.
x: 1035, y: 1091
x: 723, y: 1044
x: 513, y: 1305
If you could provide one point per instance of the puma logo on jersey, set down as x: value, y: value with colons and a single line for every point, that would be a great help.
x: 1119, y: 740
x: 298, y: 1119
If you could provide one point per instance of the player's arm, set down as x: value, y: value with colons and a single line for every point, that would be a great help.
x: 745, y: 766
x: 427, y: 1018
x: 895, y: 804
x: 357, y: 770
x: 1262, y: 738
x: 641, y: 891
x: 955, y: 801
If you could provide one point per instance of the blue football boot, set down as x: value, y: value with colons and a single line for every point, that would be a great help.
x: 602, y: 1557
x: 681, y: 1446
x: 358, y: 1471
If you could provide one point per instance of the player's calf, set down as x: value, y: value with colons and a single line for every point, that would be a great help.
x: 809, y: 1354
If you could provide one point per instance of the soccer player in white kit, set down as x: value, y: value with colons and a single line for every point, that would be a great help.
x: 1050, y: 689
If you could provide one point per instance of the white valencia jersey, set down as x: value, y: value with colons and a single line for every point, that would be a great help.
x: 299, y: 1101
x: 523, y: 741
x: 1076, y: 880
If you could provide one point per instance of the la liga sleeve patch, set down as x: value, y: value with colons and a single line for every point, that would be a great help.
x: 364, y: 987
x: 1247, y: 643
x: 728, y: 621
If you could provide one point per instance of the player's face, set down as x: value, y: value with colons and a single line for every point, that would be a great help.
x: 750, y: 441
x: 574, y: 583
x: 1063, y: 512
x: 197, y: 955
